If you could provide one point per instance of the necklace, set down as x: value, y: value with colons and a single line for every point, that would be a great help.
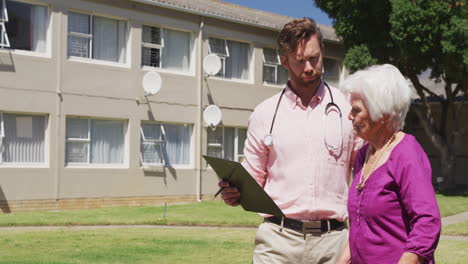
x: 363, y: 179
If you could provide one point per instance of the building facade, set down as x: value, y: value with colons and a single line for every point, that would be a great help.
x: 77, y: 130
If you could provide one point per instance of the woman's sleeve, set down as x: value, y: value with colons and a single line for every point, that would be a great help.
x: 414, y: 178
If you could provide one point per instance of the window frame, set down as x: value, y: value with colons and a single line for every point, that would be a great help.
x: 153, y: 46
x: 222, y: 57
x: 276, y: 66
x: 5, y: 42
x: 222, y: 73
x: 48, y: 33
x: 191, y: 69
x: 157, y: 142
x: 88, y: 164
x: 80, y: 140
x: 90, y: 59
x: 237, y: 154
x: 44, y: 164
x: 160, y: 142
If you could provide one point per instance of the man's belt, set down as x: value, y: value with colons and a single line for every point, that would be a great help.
x: 307, y: 227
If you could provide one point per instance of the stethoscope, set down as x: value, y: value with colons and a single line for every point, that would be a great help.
x: 331, y: 106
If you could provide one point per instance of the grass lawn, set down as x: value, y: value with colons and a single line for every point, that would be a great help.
x: 126, y: 245
x: 460, y: 229
x: 150, y: 245
x: 451, y: 252
x: 141, y: 245
x: 205, y: 213
x: 450, y: 205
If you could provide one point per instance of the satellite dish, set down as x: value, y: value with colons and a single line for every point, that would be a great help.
x: 151, y: 83
x: 211, y: 64
x: 212, y: 115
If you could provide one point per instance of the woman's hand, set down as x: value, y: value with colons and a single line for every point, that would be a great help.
x: 410, y: 258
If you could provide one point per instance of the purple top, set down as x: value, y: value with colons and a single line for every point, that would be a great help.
x: 396, y: 211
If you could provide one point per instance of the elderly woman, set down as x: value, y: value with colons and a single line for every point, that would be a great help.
x: 393, y: 213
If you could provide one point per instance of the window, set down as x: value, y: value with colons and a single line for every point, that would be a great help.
x: 22, y: 138
x: 4, y: 42
x: 273, y: 71
x: 26, y: 26
x: 165, y: 48
x: 96, y: 37
x: 331, y: 69
x: 227, y: 143
x: 235, y: 57
x: 95, y: 141
x: 165, y: 144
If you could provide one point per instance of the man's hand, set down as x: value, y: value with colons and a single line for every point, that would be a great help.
x: 230, y: 194
x: 345, y: 257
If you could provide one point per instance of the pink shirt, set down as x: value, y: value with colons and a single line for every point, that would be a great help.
x: 305, y: 178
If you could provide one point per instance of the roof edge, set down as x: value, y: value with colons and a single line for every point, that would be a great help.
x: 201, y: 13
x: 333, y: 39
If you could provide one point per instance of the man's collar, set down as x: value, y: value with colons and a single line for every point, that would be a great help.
x: 295, y: 100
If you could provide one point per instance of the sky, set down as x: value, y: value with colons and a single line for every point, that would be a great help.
x: 292, y: 8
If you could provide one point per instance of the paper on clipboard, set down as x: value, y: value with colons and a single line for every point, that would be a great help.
x: 253, y: 197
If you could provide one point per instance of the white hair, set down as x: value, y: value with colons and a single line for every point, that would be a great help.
x: 384, y: 91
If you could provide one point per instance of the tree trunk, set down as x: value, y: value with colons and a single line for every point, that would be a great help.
x: 446, y: 180
x: 447, y: 173
x: 439, y: 137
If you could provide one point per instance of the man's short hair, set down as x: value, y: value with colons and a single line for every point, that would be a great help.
x: 296, y: 31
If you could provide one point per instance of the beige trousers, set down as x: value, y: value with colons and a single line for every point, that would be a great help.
x: 274, y: 245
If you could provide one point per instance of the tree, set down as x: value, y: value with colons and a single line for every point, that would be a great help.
x: 415, y: 36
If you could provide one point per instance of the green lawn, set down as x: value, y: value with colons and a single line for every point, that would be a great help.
x: 204, y: 213
x: 451, y: 252
x: 460, y: 229
x: 126, y: 245
x: 158, y: 244
x: 140, y: 245
x: 450, y: 205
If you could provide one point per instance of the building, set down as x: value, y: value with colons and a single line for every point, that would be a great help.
x: 76, y: 128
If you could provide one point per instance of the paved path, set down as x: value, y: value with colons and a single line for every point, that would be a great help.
x: 455, y: 219
x: 456, y: 238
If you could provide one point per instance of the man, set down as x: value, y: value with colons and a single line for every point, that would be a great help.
x: 301, y: 155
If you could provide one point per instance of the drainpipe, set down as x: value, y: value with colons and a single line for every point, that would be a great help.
x: 58, y: 106
x: 199, y: 119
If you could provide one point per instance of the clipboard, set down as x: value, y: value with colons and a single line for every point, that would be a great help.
x: 253, y: 197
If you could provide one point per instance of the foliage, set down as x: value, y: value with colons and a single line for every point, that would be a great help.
x: 411, y: 34
x: 358, y: 57
x: 415, y: 36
